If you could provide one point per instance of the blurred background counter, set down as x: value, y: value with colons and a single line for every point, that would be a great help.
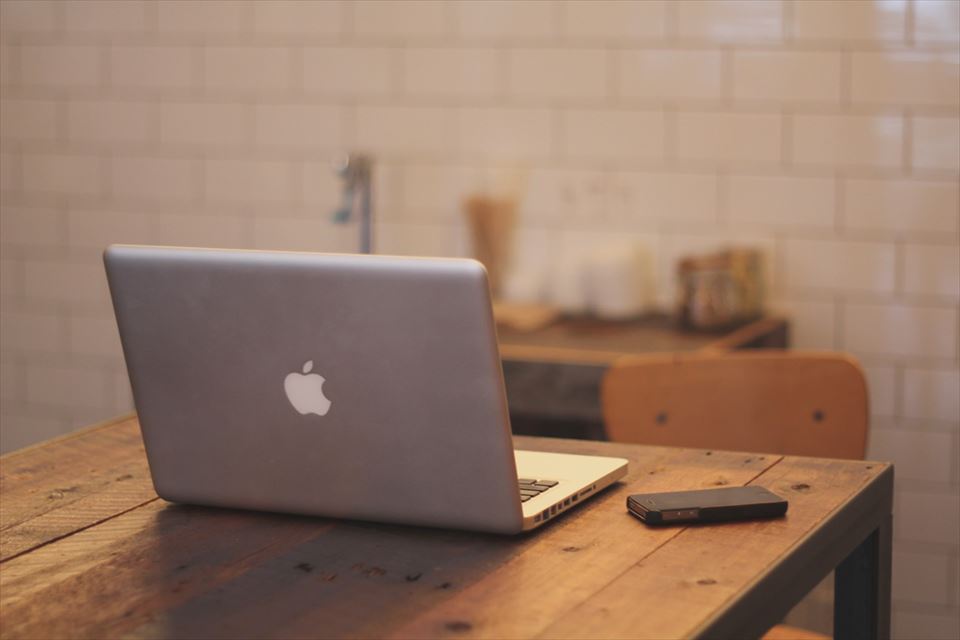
x: 553, y: 373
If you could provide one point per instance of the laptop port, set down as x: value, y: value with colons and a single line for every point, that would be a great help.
x: 566, y: 502
x: 536, y: 518
x: 575, y: 497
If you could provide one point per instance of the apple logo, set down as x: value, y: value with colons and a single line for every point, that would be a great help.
x: 305, y: 391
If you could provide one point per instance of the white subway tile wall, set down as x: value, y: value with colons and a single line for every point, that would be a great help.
x: 246, y: 71
x: 60, y: 66
x: 935, y: 143
x: 441, y: 72
x: 787, y: 76
x: 908, y: 208
x: 613, y: 20
x: 782, y: 200
x: 111, y: 123
x: 346, y: 71
x: 158, y: 70
x: 623, y: 134
x: 106, y: 16
x: 851, y: 141
x: 67, y: 174
x: 729, y: 139
x: 732, y: 20
x: 544, y: 74
x: 657, y: 75
x: 503, y: 19
x: 30, y: 17
x: 849, y: 20
x: 825, y: 132
x: 839, y: 265
x: 220, y: 17
x: 156, y: 179
x: 905, y: 78
x: 508, y: 134
x: 295, y: 17
x: 29, y: 120
x: 925, y: 578
x: 936, y: 21
x: 418, y: 18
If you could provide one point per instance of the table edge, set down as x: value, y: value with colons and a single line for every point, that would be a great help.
x: 874, y: 496
x: 599, y: 357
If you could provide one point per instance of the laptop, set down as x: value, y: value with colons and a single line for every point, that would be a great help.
x: 346, y: 386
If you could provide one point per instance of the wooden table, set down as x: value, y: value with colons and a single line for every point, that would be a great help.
x: 88, y: 550
x: 590, y: 341
x: 553, y: 374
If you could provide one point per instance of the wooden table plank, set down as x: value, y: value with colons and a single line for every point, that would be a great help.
x: 391, y: 570
x: 112, y: 577
x: 72, y: 482
x: 162, y: 570
x: 677, y: 591
x: 186, y: 571
x: 576, y: 558
x: 352, y: 580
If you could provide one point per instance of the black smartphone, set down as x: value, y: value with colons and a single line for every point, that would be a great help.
x: 707, y: 505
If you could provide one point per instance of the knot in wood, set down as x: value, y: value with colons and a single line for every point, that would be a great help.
x: 459, y: 625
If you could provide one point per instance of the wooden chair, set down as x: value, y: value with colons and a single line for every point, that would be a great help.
x: 794, y: 403
x: 791, y: 403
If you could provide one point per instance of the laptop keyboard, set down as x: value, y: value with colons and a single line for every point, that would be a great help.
x: 532, y: 488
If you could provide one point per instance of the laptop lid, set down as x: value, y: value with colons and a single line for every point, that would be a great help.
x: 364, y: 387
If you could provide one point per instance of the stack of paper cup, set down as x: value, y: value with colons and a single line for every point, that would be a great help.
x: 565, y: 288
x: 612, y: 281
x: 616, y: 282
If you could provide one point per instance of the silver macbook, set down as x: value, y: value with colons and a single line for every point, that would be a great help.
x: 364, y: 387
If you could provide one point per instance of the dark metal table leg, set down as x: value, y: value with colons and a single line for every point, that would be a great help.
x: 861, y: 607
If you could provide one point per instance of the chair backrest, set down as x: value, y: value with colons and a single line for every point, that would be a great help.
x: 786, y: 402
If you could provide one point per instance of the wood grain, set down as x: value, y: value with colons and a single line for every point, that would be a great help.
x: 678, y: 591
x: 71, y: 483
x: 160, y: 570
x: 765, y: 333
x: 110, y: 578
x: 579, y: 555
x: 596, y: 342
